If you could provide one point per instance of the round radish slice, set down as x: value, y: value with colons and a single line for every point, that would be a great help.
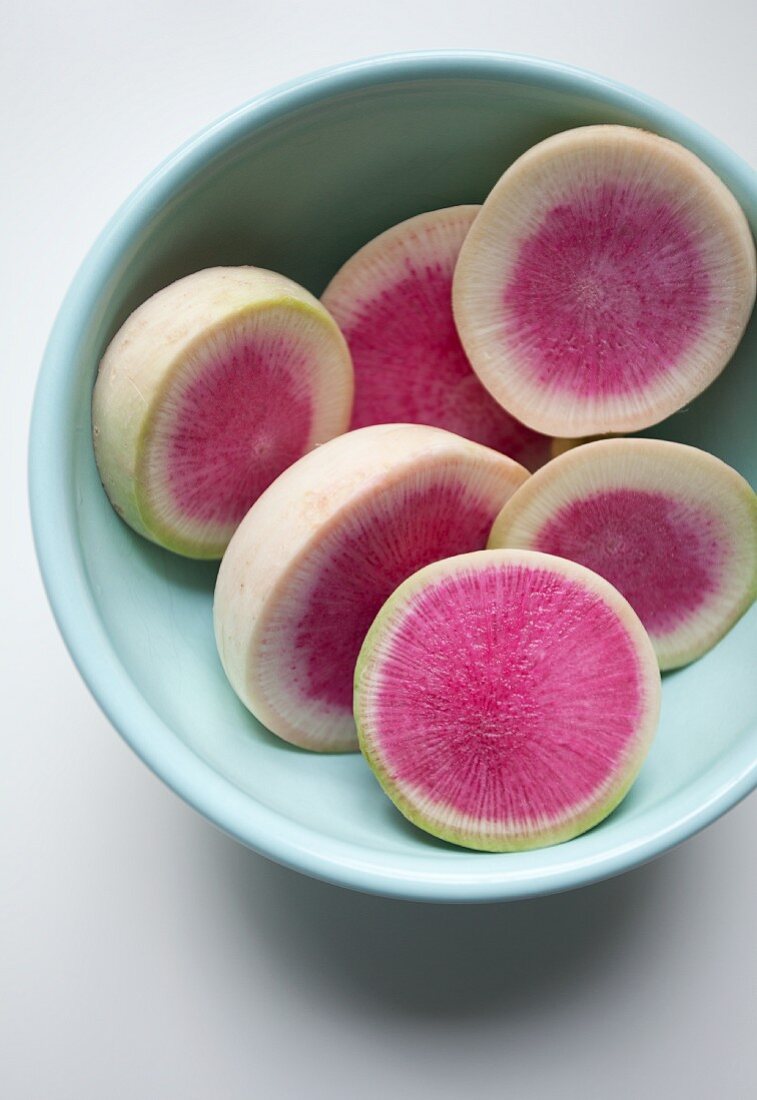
x: 206, y: 393
x: 672, y: 527
x: 605, y: 283
x: 393, y: 302
x: 317, y: 555
x: 506, y: 699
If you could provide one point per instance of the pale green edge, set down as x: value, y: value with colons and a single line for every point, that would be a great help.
x: 152, y: 527
x: 391, y: 612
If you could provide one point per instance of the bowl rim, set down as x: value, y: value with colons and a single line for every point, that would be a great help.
x: 62, y: 567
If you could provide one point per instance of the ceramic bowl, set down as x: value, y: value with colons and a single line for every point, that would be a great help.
x: 296, y: 180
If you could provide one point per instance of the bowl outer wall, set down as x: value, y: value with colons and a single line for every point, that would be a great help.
x: 54, y: 518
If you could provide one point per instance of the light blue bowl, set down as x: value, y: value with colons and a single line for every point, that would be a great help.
x: 296, y: 180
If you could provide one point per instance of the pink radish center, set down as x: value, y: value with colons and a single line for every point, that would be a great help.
x: 608, y: 293
x: 508, y: 695
x: 663, y: 553
x: 245, y: 416
x: 359, y: 566
x: 410, y: 367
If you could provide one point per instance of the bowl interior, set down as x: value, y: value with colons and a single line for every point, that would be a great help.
x: 297, y: 186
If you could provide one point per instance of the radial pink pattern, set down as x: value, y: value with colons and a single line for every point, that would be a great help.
x: 508, y: 694
x: 410, y: 367
x: 243, y: 420
x: 360, y: 566
x: 665, y: 555
x: 608, y: 293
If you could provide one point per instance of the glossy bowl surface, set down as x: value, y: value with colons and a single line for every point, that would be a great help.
x: 296, y: 180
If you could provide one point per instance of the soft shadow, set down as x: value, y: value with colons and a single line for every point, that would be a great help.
x: 199, y: 576
x: 438, y: 962
x: 397, y: 822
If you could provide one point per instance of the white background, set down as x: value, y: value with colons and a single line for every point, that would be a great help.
x: 145, y: 955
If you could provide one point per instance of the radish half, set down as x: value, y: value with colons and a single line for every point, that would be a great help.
x: 506, y: 699
x: 206, y: 393
x: 605, y: 283
x: 672, y: 527
x: 393, y: 302
x: 324, y: 546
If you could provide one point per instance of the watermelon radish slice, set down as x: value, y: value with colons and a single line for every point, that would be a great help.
x: 506, y: 699
x: 206, y: 393
x: 672, y: 527
x: 393, y: 302
x: 322, y: 549
x: 605, y: 283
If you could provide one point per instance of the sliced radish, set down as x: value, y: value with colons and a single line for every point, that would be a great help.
x: 206, y: 393
x: 506, y: 699
x: 324, y: 546
x: 672, y: 527
x: 393, y: 302
x: 605, y: 283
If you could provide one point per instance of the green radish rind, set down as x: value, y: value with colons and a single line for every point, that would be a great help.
x: 145, y: 360
x: 493, y: 836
